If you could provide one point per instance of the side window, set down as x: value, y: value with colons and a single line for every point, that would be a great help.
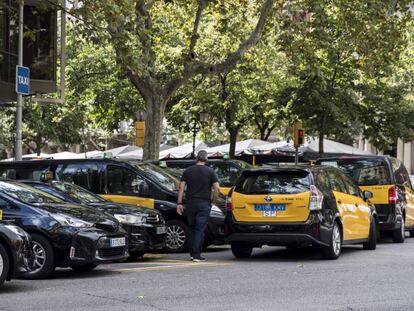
x: 335, y: 182
x: 121, y: 180
x: 400, y: 172
x: 322, y: 180
x: 351, y: 188
x: 85, y: 175
x: 4, y: 204
x: 7, y: 173
x: 226, y: 174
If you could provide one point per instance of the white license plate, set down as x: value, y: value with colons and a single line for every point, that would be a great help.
x: 161, y: 230
x: 117, y: 242
x: 269, y: 213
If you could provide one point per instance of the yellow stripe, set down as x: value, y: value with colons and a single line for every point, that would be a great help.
x: 171, y: 267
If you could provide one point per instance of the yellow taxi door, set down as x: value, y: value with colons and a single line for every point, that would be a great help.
x: 146, y: 202
x: 409, y: 208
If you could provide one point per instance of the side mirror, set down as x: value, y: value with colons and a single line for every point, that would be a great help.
x: 367, y: 195
x: 143, y: 190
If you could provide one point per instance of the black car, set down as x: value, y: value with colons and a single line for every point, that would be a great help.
x: 145, y: 227
x: 14, y: 252
x: 122, y: 181
x: 63, y: 234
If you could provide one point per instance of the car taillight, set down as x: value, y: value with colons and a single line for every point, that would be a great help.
x: 392, y: 195
x: 316, y: 199
x: 229, y: 200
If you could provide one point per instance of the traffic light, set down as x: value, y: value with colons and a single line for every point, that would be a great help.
x: 139, y: 133
x: 298, y: 134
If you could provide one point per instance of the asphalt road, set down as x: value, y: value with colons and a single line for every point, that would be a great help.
x: 272, y: 279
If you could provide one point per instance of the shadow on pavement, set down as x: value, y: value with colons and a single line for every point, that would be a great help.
x: 16, y: 287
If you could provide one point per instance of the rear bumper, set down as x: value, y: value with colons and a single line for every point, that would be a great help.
x: 310, y: 232
x: 389, y: 216
x: 215, y: 229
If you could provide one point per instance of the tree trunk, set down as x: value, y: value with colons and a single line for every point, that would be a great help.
x: 233, y: 140
x: 155, y: 108
x: 38, y: 144
x: 321, y: 135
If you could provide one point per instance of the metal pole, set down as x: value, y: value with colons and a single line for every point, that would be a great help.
x: 19, y: 112
x: 62, y: 50
x: 296, y: 155
x: 194, y: 138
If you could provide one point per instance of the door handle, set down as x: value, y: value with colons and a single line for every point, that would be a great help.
x: 339, y: 202
x: 356, y: 205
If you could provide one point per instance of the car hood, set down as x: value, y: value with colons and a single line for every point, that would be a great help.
x: 78, y: 211
x: 120, y: 208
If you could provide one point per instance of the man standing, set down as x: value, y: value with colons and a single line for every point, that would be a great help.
x: 198, y: 181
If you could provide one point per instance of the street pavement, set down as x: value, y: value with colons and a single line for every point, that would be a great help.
x: 274, y: 278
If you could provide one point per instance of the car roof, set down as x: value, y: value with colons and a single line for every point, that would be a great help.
x: 56, y: 161
x: 355, y: 157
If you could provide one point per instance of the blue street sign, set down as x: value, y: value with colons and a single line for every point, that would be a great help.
x: 22, y: 80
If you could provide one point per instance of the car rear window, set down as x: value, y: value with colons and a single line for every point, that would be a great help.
x: 365, y: 172
x: 281, y: 182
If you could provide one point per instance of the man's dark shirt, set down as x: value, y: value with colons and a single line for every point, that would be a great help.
x: 199, y: 180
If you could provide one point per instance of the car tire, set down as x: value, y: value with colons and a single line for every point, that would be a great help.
x: 136, y: 255
x: 333, y: 251
x: 4, y: 264
x: 371, y: 244
x: 398, y: 235
x: 84, y: 268
x: 43, y: 263
x: 241, y: 249
x: 177, y: 237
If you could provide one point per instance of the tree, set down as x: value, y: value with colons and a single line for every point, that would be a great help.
x: 334, y: 45
x: 156, y: 45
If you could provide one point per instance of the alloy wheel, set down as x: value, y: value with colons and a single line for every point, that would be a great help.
x: 175, y: 237
x: 39, y: 257
x: 1, y: 265
x: 336, y: 239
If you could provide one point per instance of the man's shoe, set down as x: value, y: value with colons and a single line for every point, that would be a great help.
x: 191, y: 258
x: 199, y: 259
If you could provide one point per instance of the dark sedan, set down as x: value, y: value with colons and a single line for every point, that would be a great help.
x: 14, y: 251
x: 145, y: 227
x: 63, y: 234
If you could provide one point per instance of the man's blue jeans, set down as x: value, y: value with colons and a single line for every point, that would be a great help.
x: 198, y: 213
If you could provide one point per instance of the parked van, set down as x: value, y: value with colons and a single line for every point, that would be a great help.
x: 388, y: 180
x: 131, y: 182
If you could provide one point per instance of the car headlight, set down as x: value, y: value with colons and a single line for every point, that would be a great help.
x: 131, y: 219
x: 71, y: 221
x: 216, y: 210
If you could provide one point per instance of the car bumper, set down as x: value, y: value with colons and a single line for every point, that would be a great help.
x: 389, y: 217
x: 89, y: 246
x: 21, y: 255
x: 309, y: 232
x: 145, y: 237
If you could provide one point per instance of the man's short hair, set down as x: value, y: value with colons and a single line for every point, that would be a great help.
x: 202, y: 156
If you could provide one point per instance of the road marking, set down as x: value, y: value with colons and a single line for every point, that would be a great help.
x: 171, y: 267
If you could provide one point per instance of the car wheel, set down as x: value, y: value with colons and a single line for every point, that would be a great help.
x: 333, y: 251
x: 4, y: 264
x: 176, y: 240
x: 84, y: 268
x: 398, y: 235
x: 371, y: 244
x: 241, y: 249
x: 42, y: 264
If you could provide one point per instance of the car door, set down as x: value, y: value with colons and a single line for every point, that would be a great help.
x: 346, y: 207
x: 361, y: 214
x: 10, y: 212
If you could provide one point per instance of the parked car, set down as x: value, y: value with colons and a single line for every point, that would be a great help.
x: 130, y: 182
x: 388, y: 180
x: 299, y: 205
x: 15, y: 251
x: 228, y: 171
x: 63, y: 234
x: 145, y: 227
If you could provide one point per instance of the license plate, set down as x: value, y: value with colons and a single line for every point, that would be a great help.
x: 117, y: 242
x: 270, y: 207
x: 269, y: 213
x: 161, y: 230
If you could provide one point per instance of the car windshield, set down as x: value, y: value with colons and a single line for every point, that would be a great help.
x: 77, y: 193
x: 365, y: 172
x: 282, y: 182
x: 159, y: 175
x: 27, y: 194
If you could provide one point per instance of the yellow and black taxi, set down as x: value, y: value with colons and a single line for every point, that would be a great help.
x: 388, y: 180
x: 296, y: 206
